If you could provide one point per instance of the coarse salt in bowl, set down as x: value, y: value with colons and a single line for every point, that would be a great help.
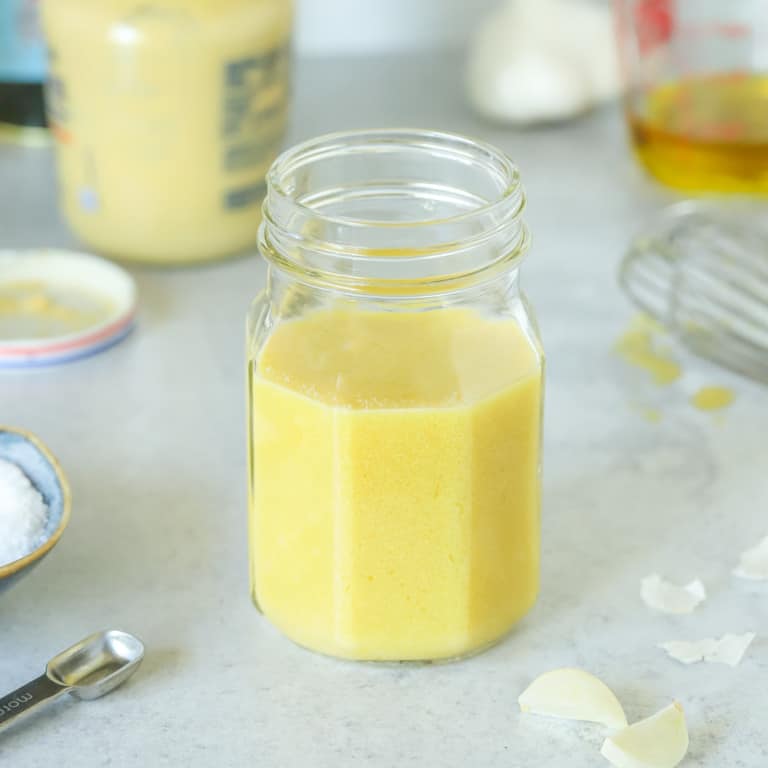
x: 23, y: 514
x: 34, y: 503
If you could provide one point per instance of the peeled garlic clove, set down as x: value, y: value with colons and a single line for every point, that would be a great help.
x: 659, y: 741
x: 575, y: 695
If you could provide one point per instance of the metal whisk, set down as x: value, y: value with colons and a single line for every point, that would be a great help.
x: 703, y: 274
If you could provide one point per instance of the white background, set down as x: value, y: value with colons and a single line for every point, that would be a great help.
x: 326, y: 27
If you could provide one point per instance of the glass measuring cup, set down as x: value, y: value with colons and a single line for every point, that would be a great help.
x: 697, y: 97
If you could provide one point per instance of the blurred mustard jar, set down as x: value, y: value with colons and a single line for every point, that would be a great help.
x: 166, y: 115
x: 395, y: 396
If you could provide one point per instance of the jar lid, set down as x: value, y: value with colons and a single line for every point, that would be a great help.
x: 57, y: 306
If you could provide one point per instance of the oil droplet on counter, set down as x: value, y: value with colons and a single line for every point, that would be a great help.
x: 638, y: 347
x: 652, y: 415
x: 712, y: 398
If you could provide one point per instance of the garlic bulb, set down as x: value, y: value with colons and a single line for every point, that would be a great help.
x: 543, y: 60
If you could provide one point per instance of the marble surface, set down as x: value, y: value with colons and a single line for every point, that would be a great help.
x: 151, y: 434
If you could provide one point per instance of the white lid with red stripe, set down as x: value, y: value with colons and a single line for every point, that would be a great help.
x: 57, y: 306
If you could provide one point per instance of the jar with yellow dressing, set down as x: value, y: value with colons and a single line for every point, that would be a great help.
x: 395, y: 398
x: 166, y: 116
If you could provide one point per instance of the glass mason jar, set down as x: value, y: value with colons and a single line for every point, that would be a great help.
x: 166, y: 116
x: 395, y: 391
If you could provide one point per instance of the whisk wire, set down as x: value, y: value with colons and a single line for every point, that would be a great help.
x: 703, y: 274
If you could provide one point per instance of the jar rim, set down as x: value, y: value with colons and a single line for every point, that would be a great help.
x: 329, y: 143
x: 467, y: 194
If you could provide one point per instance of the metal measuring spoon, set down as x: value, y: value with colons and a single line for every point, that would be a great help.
x: 87, y: 670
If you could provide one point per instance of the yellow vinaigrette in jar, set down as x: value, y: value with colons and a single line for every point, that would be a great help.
x: 166, y: 116
x: 402, y: 453
x: 395, y: 399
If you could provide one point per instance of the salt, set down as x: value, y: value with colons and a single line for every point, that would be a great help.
x: 23, y: 514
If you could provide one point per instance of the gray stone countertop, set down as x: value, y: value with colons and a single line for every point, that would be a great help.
x: 151, y: 435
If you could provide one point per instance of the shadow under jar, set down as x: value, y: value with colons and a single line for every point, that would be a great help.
x: 395, y: 398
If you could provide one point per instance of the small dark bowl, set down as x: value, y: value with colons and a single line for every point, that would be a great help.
x: 38, y: 464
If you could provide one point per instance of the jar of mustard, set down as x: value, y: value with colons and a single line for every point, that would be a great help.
x: 395, y: 399
x: 166, y: 115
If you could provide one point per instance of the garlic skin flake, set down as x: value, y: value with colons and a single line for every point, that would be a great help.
x: 689, y: 652
x: 729, y: 649
x: 573, y: 694
x: 659, y: 741
x: 665, y: 597
x: 754, y: 563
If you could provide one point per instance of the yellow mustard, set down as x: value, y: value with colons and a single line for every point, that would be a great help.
x: 166, y: 115
x: 395, y: 467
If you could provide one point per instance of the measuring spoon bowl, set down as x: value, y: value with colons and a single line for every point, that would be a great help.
x: 97, y: 664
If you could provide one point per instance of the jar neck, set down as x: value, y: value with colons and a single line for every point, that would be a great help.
x: 292, y: 295
x: 395, y: 214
